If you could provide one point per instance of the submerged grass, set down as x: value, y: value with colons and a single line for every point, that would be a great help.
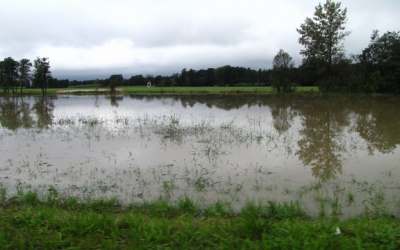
x: 208, y: 174
x: 28, y: 222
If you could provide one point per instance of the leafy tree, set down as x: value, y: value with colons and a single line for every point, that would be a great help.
x: 159, y: 81
x: 9, y: 74
x: 341, y: 72
x: 209, y: 77
x: 379, y: 63
x: 2, y: 75
x: 182, y: 77
x: 137, y: 80
x: 265, y: 76
x: 322, y: 35
x: 191, y: 77
x: 24, y: 72
x: 224, y: 75
x: 174, y: 79
x: 114, y: 81
x: 200, y: 77
x: 283, y: 65
x: 41, y: 73
x: 310, y: 71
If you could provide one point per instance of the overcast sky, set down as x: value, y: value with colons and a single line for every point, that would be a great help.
x: 87, y: 39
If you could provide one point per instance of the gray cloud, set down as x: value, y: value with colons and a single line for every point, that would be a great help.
x: 98, y: 37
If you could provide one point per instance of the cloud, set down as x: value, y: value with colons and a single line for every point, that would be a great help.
x: 162, y: 37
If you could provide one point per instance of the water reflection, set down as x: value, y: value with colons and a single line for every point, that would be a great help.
x: 16, y: 112
x: 326, y: 121
x: 43, y: 107
x: 283, y: 113
x: 325, y: 132
x: 323, y: 146
x: 378, y: 123
x: 114, y: 99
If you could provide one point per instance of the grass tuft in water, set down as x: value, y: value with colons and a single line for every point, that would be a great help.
x: 287, y: 210
x: 219, y: 209
x: 187, y: 206
x: 3, y: 193
x: 30, y: 197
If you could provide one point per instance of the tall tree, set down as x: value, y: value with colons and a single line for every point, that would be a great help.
x: 9, y: 68
x: 41, y: 73
x: 114, y: 81
x: 380, y: 63
x: 210, y: 77
x: 24, y: 72
x: 322, y: 35
x: 224, y: 75
x: 283, y: 65
x: 2, y: 76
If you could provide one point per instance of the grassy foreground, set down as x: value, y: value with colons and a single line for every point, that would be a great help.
x: 26, y: 222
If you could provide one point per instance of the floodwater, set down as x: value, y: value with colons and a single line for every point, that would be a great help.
x: 315, y: 149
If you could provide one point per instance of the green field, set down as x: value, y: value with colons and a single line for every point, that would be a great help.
x: 143, y: 90
x: 208, y: 90
x: 196, y: 90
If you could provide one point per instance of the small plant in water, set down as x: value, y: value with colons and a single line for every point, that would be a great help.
x: 187, y: 205
x: 374, y: 204
x: 3, y: 193
x: 350, y: 197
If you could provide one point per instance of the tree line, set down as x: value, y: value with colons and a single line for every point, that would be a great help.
x: 17, y: 75
x: 223, y: 76
x: 325, y: 64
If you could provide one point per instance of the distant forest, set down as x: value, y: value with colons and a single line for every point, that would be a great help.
x: 376, y: 70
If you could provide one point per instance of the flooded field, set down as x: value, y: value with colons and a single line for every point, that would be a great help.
x: 334, y: 155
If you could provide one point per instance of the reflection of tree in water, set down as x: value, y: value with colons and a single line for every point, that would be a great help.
x: 96, y: 101
x: 283, y: 113
x: 225, y: 102
x: 114, y: 100
x: 15, y: 113
x: 322, y: 144
x: 43, y: 107
x: 378, y: 124
x: 26, y: 118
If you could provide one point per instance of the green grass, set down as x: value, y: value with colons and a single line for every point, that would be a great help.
x: 32, y: 91
x: 143, y: 90
x: 28, y: 222
x: 208, y: 90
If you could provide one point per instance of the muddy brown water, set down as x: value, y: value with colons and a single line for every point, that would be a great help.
x: 317, y: 150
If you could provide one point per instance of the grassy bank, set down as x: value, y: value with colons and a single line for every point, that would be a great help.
x: 143, y: 90
x: 209, y: 90
x: 28, y: 222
